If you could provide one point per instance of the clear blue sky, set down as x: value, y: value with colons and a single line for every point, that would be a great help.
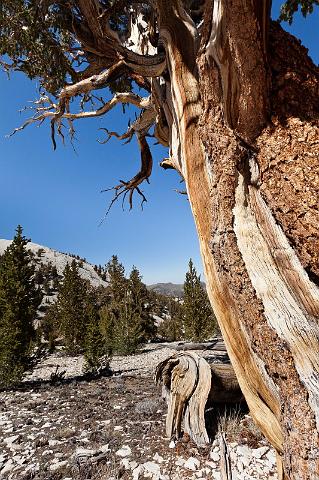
x: 56, y: 196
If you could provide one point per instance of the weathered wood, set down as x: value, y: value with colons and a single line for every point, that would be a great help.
x: 214, y: 345
x: 190, y: 386
x: 225, y: 464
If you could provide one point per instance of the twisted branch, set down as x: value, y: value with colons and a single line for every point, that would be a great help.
x: 129, y: 187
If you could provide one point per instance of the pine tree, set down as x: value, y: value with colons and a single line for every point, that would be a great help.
x: 72, y: 297
x: 96, y: 353
x: 199, y: 319
x: 49, y: 327
x: 171, y: 329
x: 117, y: 280
x: 107, y: 319
x: 19, y: 300
x: 141, y: 306
x: 126, y: 318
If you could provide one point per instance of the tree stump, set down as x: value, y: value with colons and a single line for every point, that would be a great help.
x: 191, y: 385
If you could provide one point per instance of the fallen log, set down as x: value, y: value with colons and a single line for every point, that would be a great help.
x: 191, y: 385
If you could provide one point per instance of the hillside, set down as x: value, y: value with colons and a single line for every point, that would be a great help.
x: 45, y: 256
x: 170, y: 289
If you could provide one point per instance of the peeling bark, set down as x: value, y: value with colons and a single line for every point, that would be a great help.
x: 263, y: 298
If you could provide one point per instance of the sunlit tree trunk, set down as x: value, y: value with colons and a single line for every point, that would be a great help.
x: 244, y: 135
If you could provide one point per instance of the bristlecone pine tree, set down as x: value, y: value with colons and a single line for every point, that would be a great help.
x: 19, y: 300
x: 71, y: 304
x: 199, y: 318
x: 235, y: 99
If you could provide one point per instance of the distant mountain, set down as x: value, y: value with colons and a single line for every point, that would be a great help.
x: 171, y: 289
x: 45, y: 256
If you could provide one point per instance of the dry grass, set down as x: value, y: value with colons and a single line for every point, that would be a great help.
x: 229, y: 423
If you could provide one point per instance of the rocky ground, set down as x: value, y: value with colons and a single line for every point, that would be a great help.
x: 112, y: 428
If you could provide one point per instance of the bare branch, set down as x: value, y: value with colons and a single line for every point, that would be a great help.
x: 129, y: 187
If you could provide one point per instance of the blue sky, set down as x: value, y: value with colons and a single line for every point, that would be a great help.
x: 56, y: 196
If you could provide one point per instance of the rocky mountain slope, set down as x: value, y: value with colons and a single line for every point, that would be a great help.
x: 44, y: 255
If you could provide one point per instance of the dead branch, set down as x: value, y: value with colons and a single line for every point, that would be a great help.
x: 129, y: 187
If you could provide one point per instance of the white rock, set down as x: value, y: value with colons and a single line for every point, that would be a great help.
x: 153, y: 469
x: 214, y: 456
x: 10, y: 440
x: 117, y: 407
x: 180, y: 461
x: 105, y: 448
x: 8, y: 467
x: 216, y: 475
x: 52, y: 443
x: 271, y: 455
x: 136, y: 472
x: 192, y: 463
x: 118, y: 428
x: 133, y: 465
x: 259, y: 452
x: 211, y: 464
x: 158, y: 458
x: 124, y: 451
x: 57, y: 466
x: 244, y: 451
x: 126, y: 463
x: 105, y: 422
x: 171, y: 444
x: 47, y: 425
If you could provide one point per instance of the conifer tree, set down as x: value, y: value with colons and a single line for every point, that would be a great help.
x: 127, y: 317
x: 199, y: 319
x: 72, y: 297
x: 96, y: 354
x: 171, y: 329
x: 107, y: 319
x: 141, y: 305
x: 19, y: 300
x: 49, y: 327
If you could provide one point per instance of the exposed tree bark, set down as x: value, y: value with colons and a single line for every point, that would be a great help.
x: 264, y: 300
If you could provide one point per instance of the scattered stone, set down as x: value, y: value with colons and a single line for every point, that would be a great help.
x: 214, y: 456
x: 56, y: 466
x: 10, y: 440
x: 180, y: 461
x: 260, y: 452
x: 8, y: 467
x: 171, y: 444
x: 158, y: 458
x: 192, y: 463
x: 153, y: 469
x: 52, y: 443
x: 124, y: 451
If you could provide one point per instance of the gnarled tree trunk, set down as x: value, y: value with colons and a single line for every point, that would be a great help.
x: 244, y: 134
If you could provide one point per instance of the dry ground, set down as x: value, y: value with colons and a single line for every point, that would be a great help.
x: 110, y: 428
